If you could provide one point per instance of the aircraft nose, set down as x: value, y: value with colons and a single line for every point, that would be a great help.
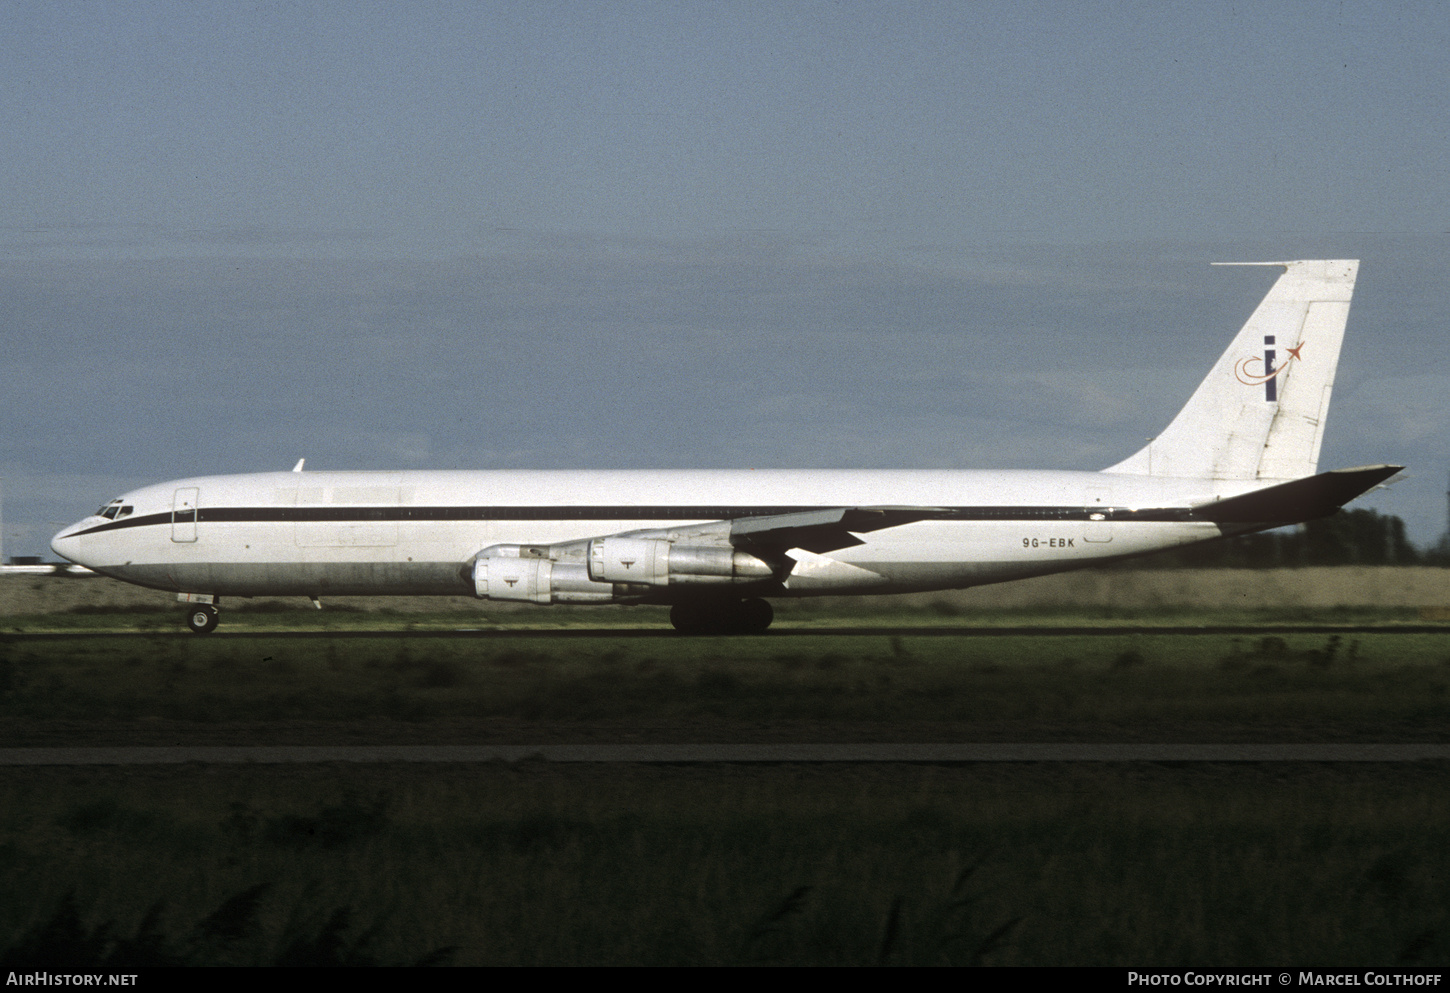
x: 67, y: 543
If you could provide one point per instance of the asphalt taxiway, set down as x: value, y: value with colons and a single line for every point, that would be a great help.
x: 678, y: 754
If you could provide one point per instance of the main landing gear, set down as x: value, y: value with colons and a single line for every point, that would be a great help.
x: 722, y: 616
x: 202, y: 618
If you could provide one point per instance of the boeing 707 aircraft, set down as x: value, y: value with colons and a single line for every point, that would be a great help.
x: 715, y: 545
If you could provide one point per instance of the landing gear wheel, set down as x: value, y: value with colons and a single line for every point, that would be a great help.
x: 752, y: 616
x: 691, y: 618
x: 722, y: 617
x: 202, y: 620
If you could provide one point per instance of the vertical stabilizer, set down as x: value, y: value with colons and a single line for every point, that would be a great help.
x: 1260, y: 412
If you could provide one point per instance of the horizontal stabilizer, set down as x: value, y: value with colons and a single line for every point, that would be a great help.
x: 822, y: 531
x: 1301, y: 500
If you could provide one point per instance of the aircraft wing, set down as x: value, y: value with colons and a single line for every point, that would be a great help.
x: 1304, y: 499
x: 821, y: 531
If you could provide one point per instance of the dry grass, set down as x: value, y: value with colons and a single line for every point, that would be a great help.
x: 1118, y: 590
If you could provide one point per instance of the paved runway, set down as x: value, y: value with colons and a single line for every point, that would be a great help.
x: 708, y: 753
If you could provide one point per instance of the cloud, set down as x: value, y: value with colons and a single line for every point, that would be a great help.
x: 604, y: 353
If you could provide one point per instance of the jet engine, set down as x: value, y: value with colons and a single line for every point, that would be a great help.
x: 660, y: 562
x: 526, y: 572
x: 606, y: 570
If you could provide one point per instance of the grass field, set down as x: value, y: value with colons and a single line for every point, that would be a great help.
x: 532, y: 864
x: 1110, y: 864
x: 270, y: 689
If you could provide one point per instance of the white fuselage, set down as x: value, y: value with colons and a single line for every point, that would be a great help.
x: 415, y: 532
x: 715, y: 543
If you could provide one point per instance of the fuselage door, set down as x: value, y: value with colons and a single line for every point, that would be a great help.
x: 183, y: 514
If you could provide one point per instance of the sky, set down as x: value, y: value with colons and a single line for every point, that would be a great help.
x: 549, y: 235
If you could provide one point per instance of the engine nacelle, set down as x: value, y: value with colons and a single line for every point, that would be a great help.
x: 525, y: 572
x: 659, y: 562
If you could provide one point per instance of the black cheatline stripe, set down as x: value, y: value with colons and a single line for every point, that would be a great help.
x: 293, y: 515
x: 129, y: 522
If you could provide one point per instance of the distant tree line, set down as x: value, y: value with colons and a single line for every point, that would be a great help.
x: 1350, y: 537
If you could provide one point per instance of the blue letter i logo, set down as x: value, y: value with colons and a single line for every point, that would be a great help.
x: 1271, y: 391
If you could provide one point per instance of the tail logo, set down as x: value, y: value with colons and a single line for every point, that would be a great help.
x: 1267, y: 373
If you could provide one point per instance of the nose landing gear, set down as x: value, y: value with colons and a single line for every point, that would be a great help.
x: 202, y: 619
x: 201, y: 611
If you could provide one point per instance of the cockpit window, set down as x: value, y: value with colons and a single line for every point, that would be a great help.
x: 113, y: 509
